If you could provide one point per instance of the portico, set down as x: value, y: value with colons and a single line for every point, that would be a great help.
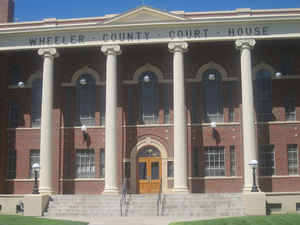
x: 152, y: 80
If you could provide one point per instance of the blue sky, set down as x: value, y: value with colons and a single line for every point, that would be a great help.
x: 29, y: 10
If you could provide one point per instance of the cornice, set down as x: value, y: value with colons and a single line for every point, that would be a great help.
x: 40, y: 26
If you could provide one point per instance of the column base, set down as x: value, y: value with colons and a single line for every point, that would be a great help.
x: 254, y: 203
x: 46, y: 190
x: 111, y: 191
x: 181, y: 190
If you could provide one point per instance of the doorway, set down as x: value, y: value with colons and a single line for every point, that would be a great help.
x: 149, y: 170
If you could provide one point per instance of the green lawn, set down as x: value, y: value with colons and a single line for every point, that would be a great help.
x: 27, y: 220
x: 287, y: 219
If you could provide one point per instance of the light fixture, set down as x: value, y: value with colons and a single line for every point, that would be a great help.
x: 253, y: 164
x: 21, y: 84
x: 211, y: 76
x: 147, y: 78
x: 36, y: 168
x: 84, y: 132
x: 213, y: 125
x: 83, y: 81
x: 278, y: 74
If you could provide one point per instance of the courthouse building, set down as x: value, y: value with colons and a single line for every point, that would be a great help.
x: 172, y: 101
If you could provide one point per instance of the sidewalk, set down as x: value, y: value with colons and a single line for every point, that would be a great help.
x: 146, y: 220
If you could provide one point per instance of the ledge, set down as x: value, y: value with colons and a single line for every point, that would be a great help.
x: 81, y: 179
x: 214, y: 178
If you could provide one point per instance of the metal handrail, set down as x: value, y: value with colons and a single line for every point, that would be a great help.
x: 123, y: 200
x: 159, y: 200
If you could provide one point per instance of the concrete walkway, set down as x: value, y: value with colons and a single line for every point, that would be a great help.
x: 146, y: 220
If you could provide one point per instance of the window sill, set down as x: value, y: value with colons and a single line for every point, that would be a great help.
x: 279, y: 176
x: 82, y: 179
x: 20, y: 180
x: 215, y: 178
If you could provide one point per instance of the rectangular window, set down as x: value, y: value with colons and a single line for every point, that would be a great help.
x: 130, y: 105
x: 11, y: 167
x: 102, y: 163
x: 230, y: 89
x: 194, y: 103
x: 166, y: 93
x: 214, y: 161
x: 292, y: 159
x: 85, y: 166
x: 13, y: 113
x: 170, y: 169
x: 127, y: 169
x: 34, y: 158
x: 195, y: 162
x: 232, y: 161
x: 266, y: 160
x: 102, y: 105
x: 290, y: 108
x: 68, y: 105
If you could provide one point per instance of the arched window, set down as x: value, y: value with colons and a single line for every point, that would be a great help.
x: 148, y: 98
x: 36, y: 106
x: 213, y: 98
x: 263, y: 91
x: 86, y: 99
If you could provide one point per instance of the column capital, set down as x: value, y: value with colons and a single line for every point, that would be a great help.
x: 48, y: 52
x: 178, y: 46
x: 111, y: 49
x: 245, y: 43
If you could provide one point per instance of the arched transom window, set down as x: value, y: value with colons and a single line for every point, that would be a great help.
x: 148, y: 98
x: 213, y: 97
x: 86, y: 99
x: 263, y: 92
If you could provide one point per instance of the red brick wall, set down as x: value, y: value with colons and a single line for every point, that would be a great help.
x: 67, y: 140
x: 6, y: 11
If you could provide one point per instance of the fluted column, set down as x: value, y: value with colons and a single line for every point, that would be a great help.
x: 249, y: 134
x: 180, y: 129
x: 46, y: 149
x: 111, y: 156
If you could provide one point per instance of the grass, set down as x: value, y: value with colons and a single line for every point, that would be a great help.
x: 287, y: 219
x: 27, y: 220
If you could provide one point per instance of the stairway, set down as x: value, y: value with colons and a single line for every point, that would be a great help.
x: 200, y: 205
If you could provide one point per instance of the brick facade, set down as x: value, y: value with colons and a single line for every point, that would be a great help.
x: 7, y: 11
x: 68, y: 136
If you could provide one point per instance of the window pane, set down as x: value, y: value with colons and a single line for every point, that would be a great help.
x: 170, y: 169
x: 85, y: 166
x: 292, y: 159
x: 142, y: 171
x: 264, y: 95
x: 214, y: 161
x: 166, y: 93
x: 102, y: 163
x: 213, y: 98
x: 13, y: 113
x: 290, y: 108
x: 34, y: 158
x: 86, y: 100
x: 154, y: 170
x: 12, y: 160
x: 148, y: 98
x: 266, y: 160
x: 36, y: 103
x: 127, y: 170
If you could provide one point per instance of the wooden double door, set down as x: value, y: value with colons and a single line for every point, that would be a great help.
x: 149, y: 174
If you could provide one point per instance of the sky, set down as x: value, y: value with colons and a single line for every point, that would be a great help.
x: 31, y: 10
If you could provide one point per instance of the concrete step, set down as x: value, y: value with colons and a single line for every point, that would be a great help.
x: 227, y: 204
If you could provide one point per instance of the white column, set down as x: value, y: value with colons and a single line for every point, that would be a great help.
x: 249, y: 134
x: 46, y: 149
x: 111, y: 156
x: 180, y: 129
